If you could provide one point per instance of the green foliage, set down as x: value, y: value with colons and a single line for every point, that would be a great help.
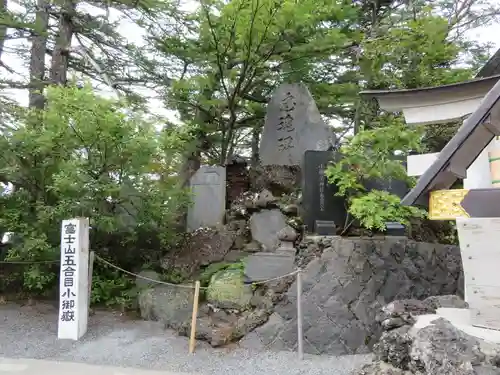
x: 174, y: 277
x: 36, y: 278
x: 236, y: 52
x: 376, y: 208
x: 370, y: 155
x: 88, y: 156
x: 111, y: 289
x: 416, y: 53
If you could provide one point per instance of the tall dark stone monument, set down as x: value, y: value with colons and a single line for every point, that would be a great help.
x: 322, y: 209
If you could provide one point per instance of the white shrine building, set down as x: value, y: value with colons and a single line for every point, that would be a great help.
x: 473, y: 154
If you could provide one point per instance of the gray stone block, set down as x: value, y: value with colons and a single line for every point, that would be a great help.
x: 322, y: 333
x: 355, y: 335
x: 251, y: 341
x: 270, y: 330
x: 265, y: 225
x: 264, y: 266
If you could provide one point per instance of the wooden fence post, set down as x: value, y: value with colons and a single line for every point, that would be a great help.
x: 192, y: 338
x: 300, y: 336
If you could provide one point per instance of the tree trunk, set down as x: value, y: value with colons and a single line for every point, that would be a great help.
x: 255, y: 146
x: 37, y: 58
x: 189, y: 167
x: 3, y: 27
x: 60, y: 55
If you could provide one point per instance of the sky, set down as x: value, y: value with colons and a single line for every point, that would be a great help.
x: 134, y: 34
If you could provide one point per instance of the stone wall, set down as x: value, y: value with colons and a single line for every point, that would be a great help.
x: 346, y: 285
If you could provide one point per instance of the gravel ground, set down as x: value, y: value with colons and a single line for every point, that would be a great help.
x: 31, y: 332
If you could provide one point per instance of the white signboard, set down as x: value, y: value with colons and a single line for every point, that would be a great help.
x: 74, y: 279
x: 479, y: 239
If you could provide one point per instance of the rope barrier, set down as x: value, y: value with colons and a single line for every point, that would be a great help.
x: 144, y: 277
x: 276, y: 278
x: 184, y: 285
x: 30, y: 262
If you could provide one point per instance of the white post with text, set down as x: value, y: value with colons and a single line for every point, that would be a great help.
x: 74, y: 279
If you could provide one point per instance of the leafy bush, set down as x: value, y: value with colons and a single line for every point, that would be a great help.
x: 92, y: 157
x: 370, y: 155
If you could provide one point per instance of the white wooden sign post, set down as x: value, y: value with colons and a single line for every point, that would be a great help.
x: 480, y: 251
x: 74, y: 279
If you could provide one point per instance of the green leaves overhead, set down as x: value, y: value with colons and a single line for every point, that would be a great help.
x: 417, y: 53
x: 235, y: 53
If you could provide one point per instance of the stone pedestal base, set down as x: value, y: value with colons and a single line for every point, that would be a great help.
x: 462, y: 320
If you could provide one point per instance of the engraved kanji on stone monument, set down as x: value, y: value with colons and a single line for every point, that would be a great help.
x: 319, y: 202
x: 293, y: 126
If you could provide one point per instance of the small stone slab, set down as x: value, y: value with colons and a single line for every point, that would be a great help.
x: 208, y: 186
x: 263, y: 266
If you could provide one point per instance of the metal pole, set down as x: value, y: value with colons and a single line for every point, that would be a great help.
x: 91, y: 271
x: 300, y: 336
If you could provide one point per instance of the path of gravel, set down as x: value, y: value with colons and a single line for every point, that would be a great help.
x: 31, y: 332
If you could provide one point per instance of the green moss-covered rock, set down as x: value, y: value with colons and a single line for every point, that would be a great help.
x: 211, y: 270
x: 227, y: 290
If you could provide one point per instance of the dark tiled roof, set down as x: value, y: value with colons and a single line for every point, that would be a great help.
x: 449, y: 87
x: 465, y: 146
x: 459, y: 153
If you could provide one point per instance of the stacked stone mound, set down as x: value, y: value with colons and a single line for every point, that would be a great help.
x: 437, y: 349
x: 228, y: 257
x: 229, y: 308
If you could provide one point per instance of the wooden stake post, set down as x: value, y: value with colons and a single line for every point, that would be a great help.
x: 300, y: 341
x: 192, y: 338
